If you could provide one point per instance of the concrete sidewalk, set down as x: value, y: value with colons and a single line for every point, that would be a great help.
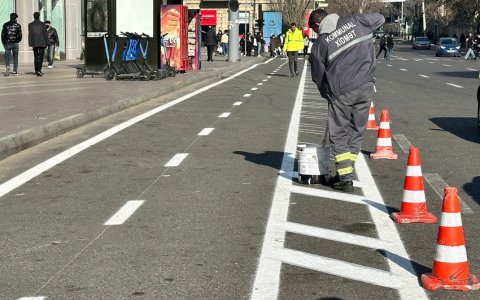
x: 34, y: 109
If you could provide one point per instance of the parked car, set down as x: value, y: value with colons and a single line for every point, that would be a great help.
x: 378, y: 34
x: 421, y: 42
x: 447, y: 46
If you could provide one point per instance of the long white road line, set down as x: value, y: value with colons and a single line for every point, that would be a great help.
x: 267, y: 279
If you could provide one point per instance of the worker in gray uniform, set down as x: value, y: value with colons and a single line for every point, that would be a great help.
x: 343, y: 68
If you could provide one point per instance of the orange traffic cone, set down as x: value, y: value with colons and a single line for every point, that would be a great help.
x: 414, y: 206
x: 371, y: 125
x: 384, y: 139
x: 450, y: 265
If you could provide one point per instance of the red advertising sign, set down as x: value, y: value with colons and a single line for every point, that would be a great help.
x: 306, y: 30
x: 209, y: 17
x: 173, y: 23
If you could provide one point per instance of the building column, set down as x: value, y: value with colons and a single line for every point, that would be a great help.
x: 25, y: 10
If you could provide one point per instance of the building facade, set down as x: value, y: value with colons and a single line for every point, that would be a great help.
x: 65, y: 16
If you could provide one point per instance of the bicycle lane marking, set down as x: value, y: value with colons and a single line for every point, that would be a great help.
x: 267, y: 280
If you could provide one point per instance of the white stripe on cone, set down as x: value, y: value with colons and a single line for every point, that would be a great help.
x: 384, y: 125
x: 371, y: 117
x: 451, y: 254
x: 414, y: 171
x: 413, y: 196
x: 384, y: 142
x: 451, y: 220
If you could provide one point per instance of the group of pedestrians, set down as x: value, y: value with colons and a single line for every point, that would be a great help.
x: 472, y: 46
x: 41, y: 36
x: 386, y: 45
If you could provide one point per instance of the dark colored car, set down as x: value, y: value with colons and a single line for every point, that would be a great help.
x: 378, y: 34
x: 447, y: 46
x: 421, y: 42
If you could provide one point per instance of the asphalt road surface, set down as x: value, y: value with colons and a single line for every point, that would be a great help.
x: 195, y: 195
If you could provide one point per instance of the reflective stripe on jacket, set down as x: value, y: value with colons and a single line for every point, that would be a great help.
x: 293, y: 40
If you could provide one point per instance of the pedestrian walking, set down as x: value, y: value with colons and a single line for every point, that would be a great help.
x: 293, y: 43
x: 470, y: 41
x: 306, y: 43
x: 390, y: 45
x: 383, y: 47
x: 274, y: 43
x: 11, y: 36
x: 38, y: 40
x: 53, y: 43
x: 211, y: 42
x: 344, y: 43
x: 258, y: 43
x: 249, y: 42
x: 224, y: 41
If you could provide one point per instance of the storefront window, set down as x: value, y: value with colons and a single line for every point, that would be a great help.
x: 6, y: 8
x: 54, y: 11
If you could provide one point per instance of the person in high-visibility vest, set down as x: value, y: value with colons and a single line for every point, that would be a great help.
x: 292, y: 44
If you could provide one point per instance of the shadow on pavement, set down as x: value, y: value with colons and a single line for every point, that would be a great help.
x: 460, y: 74
x: 472, y: 189
x: 463, y: 127
x: 405, y: 263
x: 268, y: 158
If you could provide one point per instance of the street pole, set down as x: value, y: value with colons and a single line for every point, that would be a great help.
x: 233, y: 42
x: 424, y: 19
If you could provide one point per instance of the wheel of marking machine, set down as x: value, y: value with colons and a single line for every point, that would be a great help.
x: 305, y: 179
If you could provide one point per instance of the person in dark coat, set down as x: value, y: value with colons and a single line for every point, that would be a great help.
x: 211, y: 42
x: 249, y: 45
x: 38, y: 40
x: 11, y: 36
x: 52, y: 43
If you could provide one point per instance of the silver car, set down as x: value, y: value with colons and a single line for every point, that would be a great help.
x: 421, y: 42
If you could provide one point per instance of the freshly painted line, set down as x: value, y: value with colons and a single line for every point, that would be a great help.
x: 447, y: 65
x: 403, y: 70
x: 397, y: 257
x: 237, y: 103
x: 341, y: 268
x: 20, y: 179
x: 176, y: 160
x: 269, y: 76
x: 267, y: 278
x: 124, y: 212
x: 329, y: 195
x: 246, y: 95
x: 205, y: 131
x: 438, y: 185
x: 424, y: 76
x: 260, y: 83
x: 265, y: 80
x: 224, y: 115
x: 472, y: 69
x: 254, y: 89
x: 338, y: 236
x: 403, y: 142
x: 454, y: 85
x: 32, y: 298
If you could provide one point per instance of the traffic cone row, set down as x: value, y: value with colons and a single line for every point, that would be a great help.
x: 450, y: 265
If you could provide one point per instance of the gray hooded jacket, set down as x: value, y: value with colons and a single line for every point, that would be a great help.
x: 342, y: 57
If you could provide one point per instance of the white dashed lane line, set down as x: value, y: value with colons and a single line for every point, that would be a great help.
x: 424, y: 76
x: 254, y: 89
x: 176, y: 160
x: 246, y: 95
x: 124, y: 212
x: 224, y: 115
x: 454, y: 85
x: 205, y: 131
x: 237, y: 103
x: 404, y: 70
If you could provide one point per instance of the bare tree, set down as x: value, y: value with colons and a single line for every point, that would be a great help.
x: 292, y: 10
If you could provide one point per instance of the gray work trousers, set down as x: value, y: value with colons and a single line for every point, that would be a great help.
x: 347, y: 121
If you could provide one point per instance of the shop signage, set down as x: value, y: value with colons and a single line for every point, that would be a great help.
x: 209, y: 17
